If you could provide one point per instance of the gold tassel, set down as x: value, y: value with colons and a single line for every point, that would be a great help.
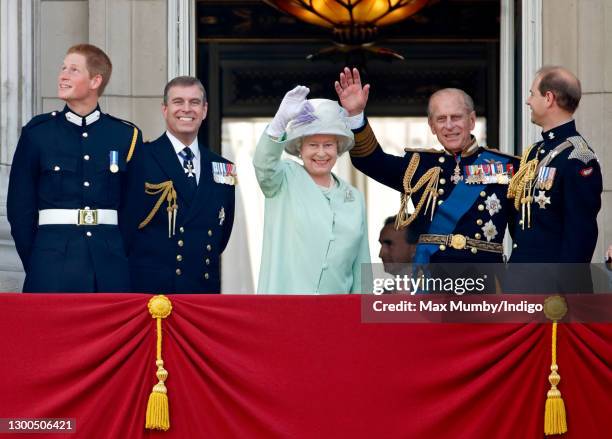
x: 158, y: 414
x: 555, y: 421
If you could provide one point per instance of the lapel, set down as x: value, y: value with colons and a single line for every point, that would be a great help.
x: 205, y: 185
x: 163, y: 152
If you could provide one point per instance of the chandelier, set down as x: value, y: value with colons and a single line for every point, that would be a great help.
x: 354, y: 22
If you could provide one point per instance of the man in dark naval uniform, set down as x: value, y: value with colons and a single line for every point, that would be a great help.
x: 459, y: 193
x: 185, y: 202
x: 66, y: 182
x: 557, y: 191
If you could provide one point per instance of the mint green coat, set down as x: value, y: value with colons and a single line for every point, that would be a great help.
x: 313, y: 243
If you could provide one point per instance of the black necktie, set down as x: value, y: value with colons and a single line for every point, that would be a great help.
x: 187, y: 156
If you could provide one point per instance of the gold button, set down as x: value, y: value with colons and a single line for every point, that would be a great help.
x: 474, y: 250
x: 179, y: 258
x: 88, y: 233
x: 207, y: 261
x: 480, y: 207
x: 206, y: 276
x: 441, y: 159
x: 477, y: 236
x: 441, y: 191
x: 178, y: 271
x: 182, y: 229
x: 479, y: 222
x: 442, y: 247
x: 209, y: 247
x: 521, y: 222
x: 180, y: 242
x: 483, y: 194
x: 209, y: 232
x: 515, y: 245
x: 443, y: 181
x: 440, y: 202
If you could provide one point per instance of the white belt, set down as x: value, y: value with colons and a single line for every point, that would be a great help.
x: 79, y: 217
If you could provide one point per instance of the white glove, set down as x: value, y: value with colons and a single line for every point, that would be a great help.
x: 289, y: 108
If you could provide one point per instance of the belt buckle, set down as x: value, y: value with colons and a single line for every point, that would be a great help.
x: 458, y: 242
x: 88, y: 217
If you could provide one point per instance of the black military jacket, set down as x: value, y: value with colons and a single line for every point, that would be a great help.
x: 563, y: 218
x: 491, y: 206
x: 62, y: 161
x: 185, y: 257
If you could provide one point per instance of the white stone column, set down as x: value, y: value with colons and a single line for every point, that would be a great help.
x: 576, y: 35
x: 15, y: 110
x: 134, y: 35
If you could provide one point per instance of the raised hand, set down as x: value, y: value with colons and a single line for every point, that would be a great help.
x: 288, y: 109
x: 353, y: 97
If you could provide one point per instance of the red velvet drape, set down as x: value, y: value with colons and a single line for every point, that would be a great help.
x: 292, y: 367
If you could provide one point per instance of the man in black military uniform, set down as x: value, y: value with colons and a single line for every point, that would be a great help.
x: 66, y: 184
x: 557, y: 191
x: 459, y: 194
x: 185, y: 202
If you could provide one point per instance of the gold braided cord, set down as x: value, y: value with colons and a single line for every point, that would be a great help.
x: 430, y: 193
x: 168, y: 194
x: 520, y: 178
x: 131, y: 151
x: 522, y: 184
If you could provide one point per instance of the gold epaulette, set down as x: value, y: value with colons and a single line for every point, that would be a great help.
x: 365, y: 142
x: 431, y: 150
x: 505, y: 154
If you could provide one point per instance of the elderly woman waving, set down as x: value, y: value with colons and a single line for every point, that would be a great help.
x: 315, y: 235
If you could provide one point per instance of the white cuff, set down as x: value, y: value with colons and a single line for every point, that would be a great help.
x: 356, y: 122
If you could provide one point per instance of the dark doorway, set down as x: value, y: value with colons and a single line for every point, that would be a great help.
x: 250, y: 54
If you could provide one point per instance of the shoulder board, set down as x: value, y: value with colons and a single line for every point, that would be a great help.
x: 430, y: 149
x: 42, y: 118
x: 581, y: 150
x: 127, y: 122
x: 497, y: 151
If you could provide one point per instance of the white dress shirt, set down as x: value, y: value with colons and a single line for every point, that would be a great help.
x: 178, y: 147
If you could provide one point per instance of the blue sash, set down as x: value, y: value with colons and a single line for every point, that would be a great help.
x: 454, y: 207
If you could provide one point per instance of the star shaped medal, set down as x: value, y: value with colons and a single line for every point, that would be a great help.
x: 493, y: 204
x: 542, y: 199
x: 489, y: 230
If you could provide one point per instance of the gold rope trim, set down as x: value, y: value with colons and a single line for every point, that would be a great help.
x: 158, y: 414
x: 365, y: 142
x: 555, y: 418
x: 168, y: 193
x: 133, y: 145
x: 430, y: 193
x: 521, y: 186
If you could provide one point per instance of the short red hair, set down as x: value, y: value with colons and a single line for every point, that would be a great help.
x: 98, y: 63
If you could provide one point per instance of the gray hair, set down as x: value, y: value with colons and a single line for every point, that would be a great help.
x: 184, y: 81
x: 467, y: 99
